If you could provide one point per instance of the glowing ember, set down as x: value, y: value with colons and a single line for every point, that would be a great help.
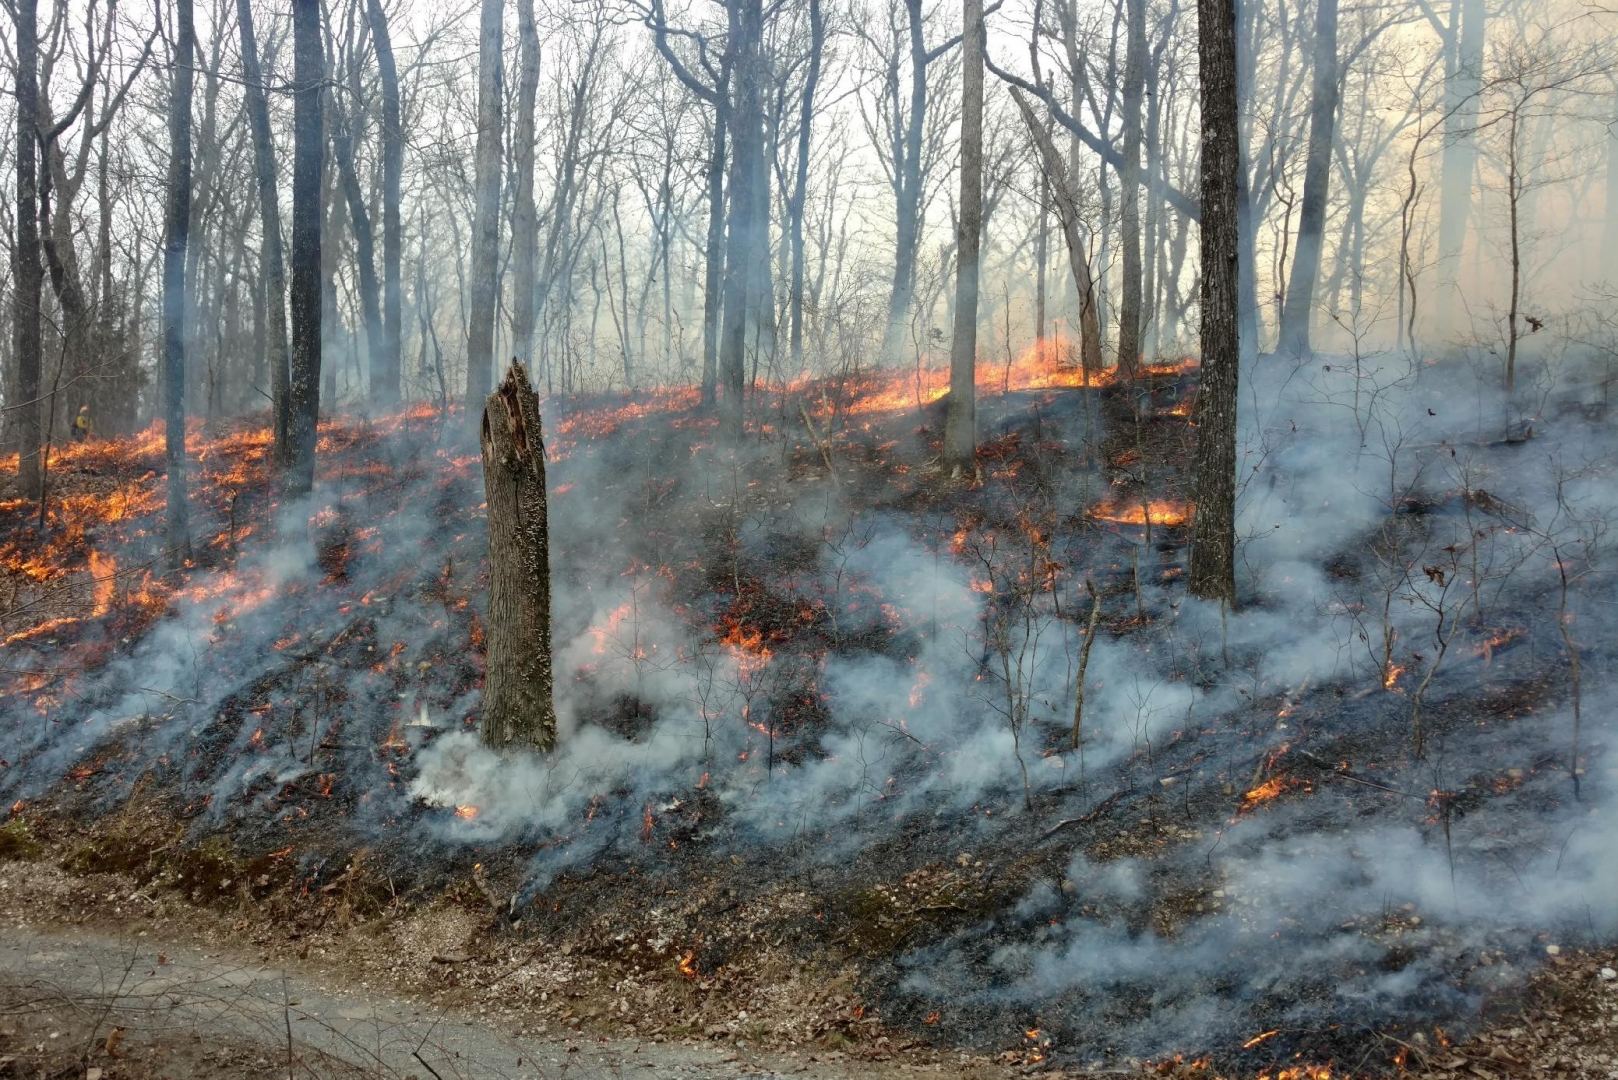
x: 1256, y: 1039
x: 1264, y: 792
x: 1390, y: 681
x: 1166, y: 512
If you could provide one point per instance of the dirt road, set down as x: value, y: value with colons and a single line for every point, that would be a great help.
x: 186, y: 1014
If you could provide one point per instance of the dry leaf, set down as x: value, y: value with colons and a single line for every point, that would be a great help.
x: 114, y: 1037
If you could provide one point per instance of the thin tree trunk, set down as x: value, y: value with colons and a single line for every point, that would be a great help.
x: 524, y: 215
x: 1042, y: 247
x: 28, y: 274
x: 176, y: 227
x: 269, y: 208
x: 486, y: 210
x: 907, y: 179
x: 1300, y: 301
x: 714, y: 260
x: 1067, y: 213
x: 359, y: 217
x: 800, y: 192
x: 1129, y: 299
x: 960, y: 424
x: 308, y: 159
x: 386, y: 370
x: 1462, y: 84
x: 1213, y: 550
x: 517, y: 701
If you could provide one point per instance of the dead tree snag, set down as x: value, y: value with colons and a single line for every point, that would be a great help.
x: 517, y: 704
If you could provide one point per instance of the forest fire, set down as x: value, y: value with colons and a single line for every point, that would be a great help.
x: 689, y: 536
x: 1166, y: 512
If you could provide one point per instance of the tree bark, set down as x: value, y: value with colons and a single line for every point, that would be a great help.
x: 275, y: 287
x: 486, y: 209
x: 1134, y: 90
x: 1213, y: 540
x: 714, y: 260
x: 28, y: 274
x: 960, y: 423
x: 741, y: 242
x: 385, y: 373
x: 517, y: 704
x: 308, y: 159
x: 1067, y: 213
x: 524, y: 215
x: 176, y: 230
x: 800, y: 191
x: 1300, y: 301
x: 1463, y: 82
x: 907, y: 183
x: 359, y: 216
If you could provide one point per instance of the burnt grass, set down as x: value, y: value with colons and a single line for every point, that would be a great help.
x: 945, y: 883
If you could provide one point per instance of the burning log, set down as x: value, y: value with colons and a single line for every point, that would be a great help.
x: 517, y: 704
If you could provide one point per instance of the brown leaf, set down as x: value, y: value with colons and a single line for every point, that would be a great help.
x: 114, y: 1037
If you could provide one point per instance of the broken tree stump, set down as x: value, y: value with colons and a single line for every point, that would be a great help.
x: 518, y: 709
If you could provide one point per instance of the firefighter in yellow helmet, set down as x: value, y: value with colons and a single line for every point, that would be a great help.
x: 83, y: 425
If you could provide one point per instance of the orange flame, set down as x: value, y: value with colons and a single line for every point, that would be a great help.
x: 1165, y: 512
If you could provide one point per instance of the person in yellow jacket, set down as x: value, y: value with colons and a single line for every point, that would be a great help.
x: 82, y: 424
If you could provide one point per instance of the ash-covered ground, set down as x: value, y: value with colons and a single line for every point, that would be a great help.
x: 818, y: 701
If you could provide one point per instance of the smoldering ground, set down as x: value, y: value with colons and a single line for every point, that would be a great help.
x: 752, y: 659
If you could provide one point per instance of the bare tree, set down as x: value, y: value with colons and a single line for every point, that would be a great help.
x: 960, y: 434
x: 385, y: 373
x: 1300, y: 297
x: 27, y: 274
x: 486, y: 217
x: 274, y: 270
x: 176, y: 231
x: 524, y: 216
x: 308, y: 155
x: 1213, y: 541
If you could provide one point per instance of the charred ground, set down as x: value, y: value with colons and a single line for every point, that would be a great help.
x: 251, y: 733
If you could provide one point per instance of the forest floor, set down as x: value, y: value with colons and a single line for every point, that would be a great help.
x: 102, y: 978
x: 702, y: 953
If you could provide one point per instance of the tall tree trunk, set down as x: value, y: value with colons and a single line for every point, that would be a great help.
x: 359, y: 217
x: 517, y: 702
x: 385, y: 372
x: 713, y: 261
x: 269, y: 208
x: 800, y: 191
x: 524, y: 215
x: 308, y: 160
x: 960, y: 424
x: 907, y: 180
x: 741, y: 245
x: 1300, y: 301
x: 176, y: 229
x: 1042, y: 248
x: 1607, y: 266
x: 1463, y: 82
x: 1129, y: 286
x: 486, y: 208
x: 28, y: 274
x: 1068, y: 214
x: 1213, y: 540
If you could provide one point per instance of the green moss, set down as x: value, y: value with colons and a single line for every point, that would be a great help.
x: 17, y: 841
